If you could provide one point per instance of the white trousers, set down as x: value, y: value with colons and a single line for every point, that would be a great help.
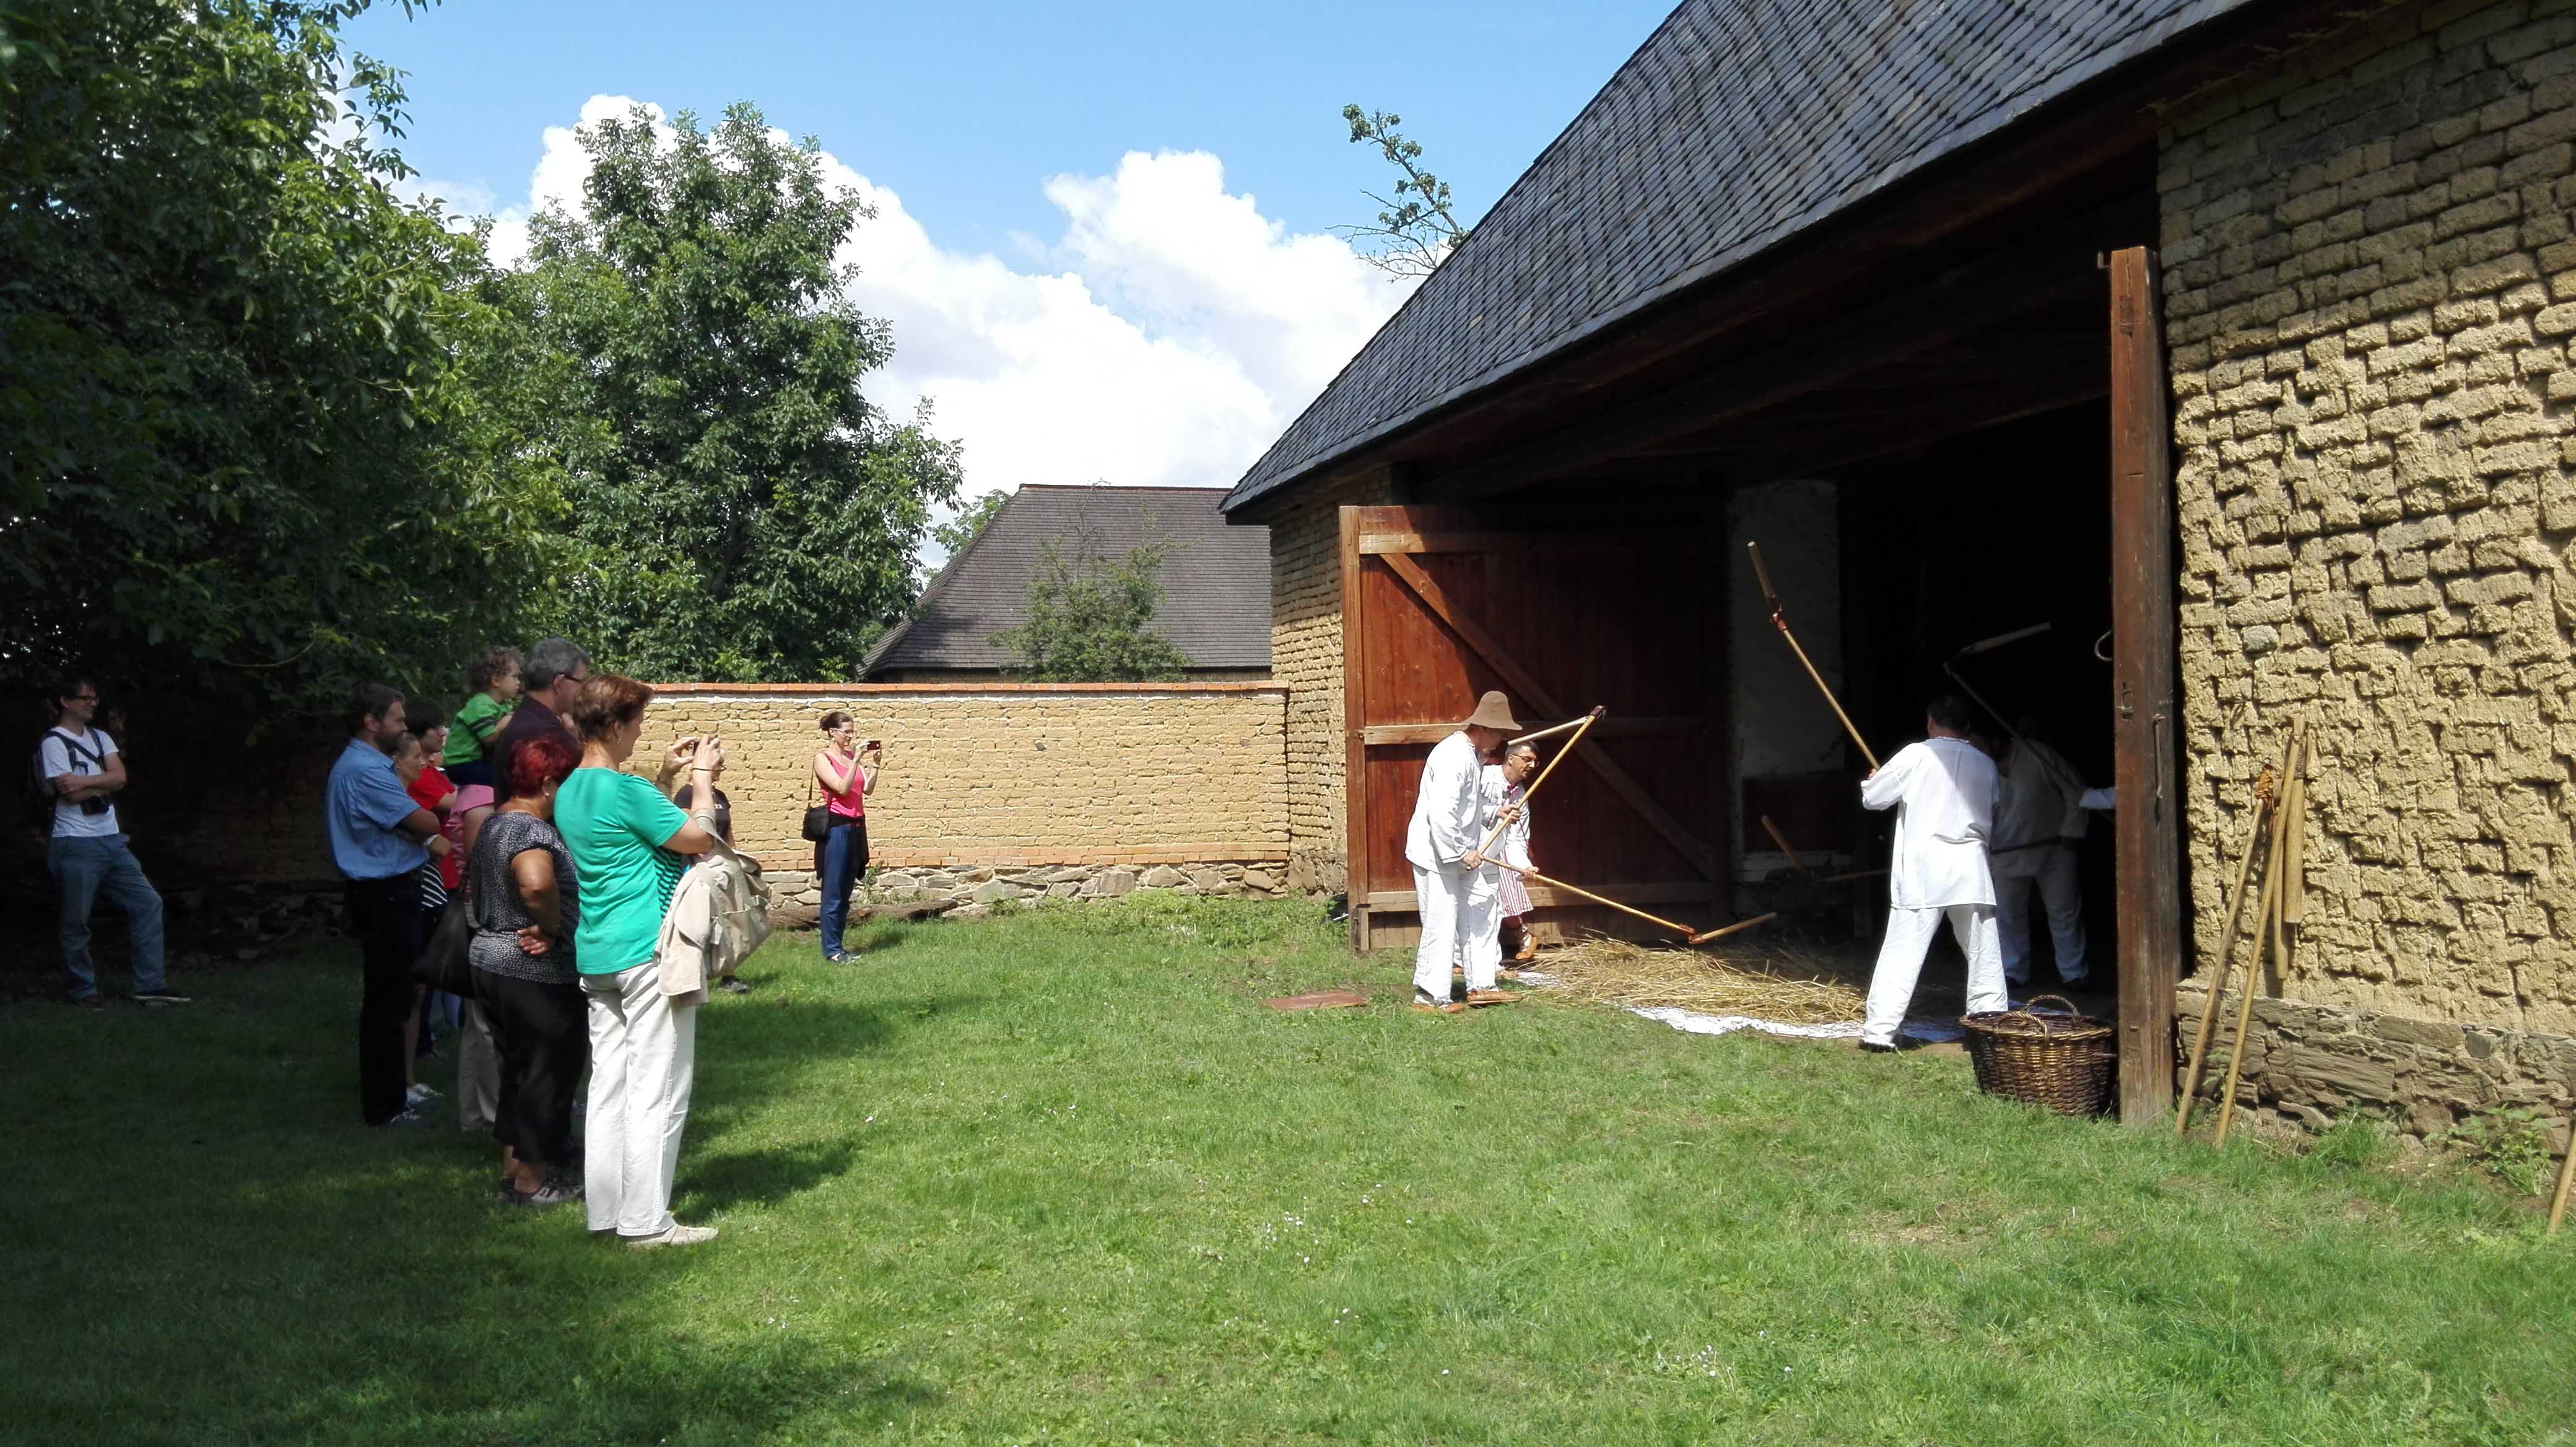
x: 2063, y: 895
x: 1462, y: 923
x: 1900, y: 961
x: 643, y: 1057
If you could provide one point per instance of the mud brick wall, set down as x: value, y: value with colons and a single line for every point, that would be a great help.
x: 1007, y: 775
x: 1306, y: 659
x: 2370, y: 282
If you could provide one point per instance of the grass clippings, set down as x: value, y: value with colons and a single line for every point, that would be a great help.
x: 1776, y: 982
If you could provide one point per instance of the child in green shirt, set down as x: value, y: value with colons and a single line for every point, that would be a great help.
x: 494, y: 677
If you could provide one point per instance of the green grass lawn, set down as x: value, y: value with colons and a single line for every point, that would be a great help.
x: 1059, y: 1178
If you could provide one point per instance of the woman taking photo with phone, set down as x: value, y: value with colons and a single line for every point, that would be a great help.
x: 847, y: 775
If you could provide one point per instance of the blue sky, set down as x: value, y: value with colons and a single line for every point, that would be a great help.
x: 1103, y: 232
x: 964, y: 108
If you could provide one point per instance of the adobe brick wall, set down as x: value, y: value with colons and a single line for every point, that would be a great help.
x: 1008, y: 776
x: 1306, y: 660
x: 2370, y: 279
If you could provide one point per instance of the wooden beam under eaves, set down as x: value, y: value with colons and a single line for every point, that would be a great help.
x: 1965, y: 301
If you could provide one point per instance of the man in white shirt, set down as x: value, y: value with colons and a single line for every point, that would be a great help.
x: 87, y: 853
x: 1943, y: 791
x: 2039, y: 817
x: 1456, y: 891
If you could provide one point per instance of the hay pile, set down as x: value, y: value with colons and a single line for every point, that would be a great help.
x: 1768, y: 982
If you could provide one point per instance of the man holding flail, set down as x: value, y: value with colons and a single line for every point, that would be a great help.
x: 1943, y: 792
x: 1458, y: 893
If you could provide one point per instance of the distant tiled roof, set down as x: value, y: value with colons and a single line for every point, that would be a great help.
x: 1216, y: 608
x: 1737, y: 124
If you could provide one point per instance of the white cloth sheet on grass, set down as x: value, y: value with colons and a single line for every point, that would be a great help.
x: 1694, y: 1022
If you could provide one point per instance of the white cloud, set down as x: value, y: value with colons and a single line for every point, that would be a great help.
x: 1166, y: 336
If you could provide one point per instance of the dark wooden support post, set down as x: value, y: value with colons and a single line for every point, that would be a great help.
x: 2145, y: 719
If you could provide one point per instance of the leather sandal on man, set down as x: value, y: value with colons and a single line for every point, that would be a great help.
x: 1492, y: 997
x: 1437, y: 1007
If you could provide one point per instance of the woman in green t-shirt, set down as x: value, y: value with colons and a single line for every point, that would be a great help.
x: 628, y: 844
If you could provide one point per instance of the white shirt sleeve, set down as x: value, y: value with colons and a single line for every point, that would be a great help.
x: 1886, y: 788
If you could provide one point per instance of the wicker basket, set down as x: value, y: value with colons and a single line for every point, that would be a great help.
x: 2054, y: 1058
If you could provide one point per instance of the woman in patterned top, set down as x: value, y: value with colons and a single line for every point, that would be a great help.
x: 526, y: 906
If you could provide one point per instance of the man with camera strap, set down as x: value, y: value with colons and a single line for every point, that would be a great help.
x: 80, y: 769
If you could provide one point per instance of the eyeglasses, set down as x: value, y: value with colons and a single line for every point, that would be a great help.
x: 81, y: 698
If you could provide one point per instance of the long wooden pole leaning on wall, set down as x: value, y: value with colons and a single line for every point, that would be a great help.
x: 2145, y: 720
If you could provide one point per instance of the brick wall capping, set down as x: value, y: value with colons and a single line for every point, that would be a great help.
x: 965, y: 690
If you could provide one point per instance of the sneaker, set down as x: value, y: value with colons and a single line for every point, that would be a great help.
x: 836, y: 958
x: 162, y: 996
x: 406, y: 1119
x: 552, y: 1191
x: 735, y: 985
x: 678, y: 1235
x: 420, y: 1094
x: 1878, y: 1047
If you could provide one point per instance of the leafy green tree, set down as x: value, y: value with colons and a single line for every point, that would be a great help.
x: 1091, y: 618
x: 954, y: 534
x: 242, y: 450
x: 1415, y: 230
x: 741, y: 510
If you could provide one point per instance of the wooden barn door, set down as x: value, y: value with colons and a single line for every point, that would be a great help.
x: 1440, y: 604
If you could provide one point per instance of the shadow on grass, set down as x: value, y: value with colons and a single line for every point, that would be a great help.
x: 726, y: 1180
x: 236, y: 1262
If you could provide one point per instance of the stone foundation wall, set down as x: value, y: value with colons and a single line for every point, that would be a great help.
x: 2370, y: 282
x: 2313, y: 1063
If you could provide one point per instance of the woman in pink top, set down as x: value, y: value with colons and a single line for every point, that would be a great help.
x: 847, y: 775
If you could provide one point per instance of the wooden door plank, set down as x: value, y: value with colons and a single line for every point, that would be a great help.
x: 1373, y: 543
x: 1355, y: 798
x: 1664, y: 891
x: 1535, y: 694
x: 2145, y: 720
x: 1632, y: 726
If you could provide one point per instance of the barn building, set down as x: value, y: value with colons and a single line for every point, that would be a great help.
x: 2226, y: 339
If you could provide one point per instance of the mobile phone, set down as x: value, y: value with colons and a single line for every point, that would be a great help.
x: 877, y: 744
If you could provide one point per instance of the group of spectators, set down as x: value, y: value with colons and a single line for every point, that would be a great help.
x: 517, y: 816
x: 565, y: 864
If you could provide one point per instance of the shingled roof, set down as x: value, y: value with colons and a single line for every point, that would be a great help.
x: 1216, y: 608
x: 1736, y: 125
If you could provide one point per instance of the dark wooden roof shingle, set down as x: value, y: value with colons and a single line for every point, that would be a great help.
x: 1216, y: 607
x: 1737, y: 124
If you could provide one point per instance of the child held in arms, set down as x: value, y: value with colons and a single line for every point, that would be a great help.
x: 494, y: 678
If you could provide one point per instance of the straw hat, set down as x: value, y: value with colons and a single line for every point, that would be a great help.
x: 1493, y: 711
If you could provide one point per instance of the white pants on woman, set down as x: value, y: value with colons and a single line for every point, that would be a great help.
x: 1462, y: 923
x: 643, y: 1056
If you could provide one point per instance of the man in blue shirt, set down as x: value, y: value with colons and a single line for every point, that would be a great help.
x: 380, y: 839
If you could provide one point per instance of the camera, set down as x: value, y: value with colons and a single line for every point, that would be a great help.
x: 94, y: 805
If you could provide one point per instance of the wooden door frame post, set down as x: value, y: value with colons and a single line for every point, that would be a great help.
x: 1355, y: 837
x: 2145, y: 719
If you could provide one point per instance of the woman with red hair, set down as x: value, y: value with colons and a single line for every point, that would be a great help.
x: 527, y: 905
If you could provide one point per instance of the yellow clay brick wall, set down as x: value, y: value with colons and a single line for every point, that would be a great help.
x: 2370, y: 283
x: 1003, y: 774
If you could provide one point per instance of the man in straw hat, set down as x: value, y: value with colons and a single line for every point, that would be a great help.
x: 1456, y: 891
x: 1943, y: 792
